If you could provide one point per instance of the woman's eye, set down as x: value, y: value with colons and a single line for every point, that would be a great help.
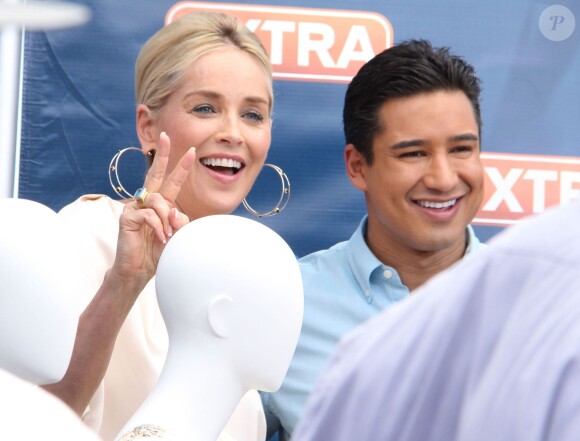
x: 204, y: 108
x: 254, y: 115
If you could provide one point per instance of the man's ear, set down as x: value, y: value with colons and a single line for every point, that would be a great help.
x: 147, y: 131
x: 356, y: 167
x: 220, y: 314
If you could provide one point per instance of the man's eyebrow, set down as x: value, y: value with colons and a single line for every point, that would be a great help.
x: 421, y: 142
x: 464, y: 137
x: 408, y: 143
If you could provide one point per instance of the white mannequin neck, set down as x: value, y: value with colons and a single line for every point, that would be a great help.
x: 193, y: 398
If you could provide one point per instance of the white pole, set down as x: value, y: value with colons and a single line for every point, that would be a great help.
x: 14, y: 16
x: 10, y: 56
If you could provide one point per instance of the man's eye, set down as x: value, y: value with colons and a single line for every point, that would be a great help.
x: 462, y: 149
x: 416, y: 154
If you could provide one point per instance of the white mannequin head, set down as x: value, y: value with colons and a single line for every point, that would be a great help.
x: 40, y: 274
x: 230, y: 288
x: 230, y: 292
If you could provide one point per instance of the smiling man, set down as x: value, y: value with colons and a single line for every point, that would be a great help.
x: 412, y: 125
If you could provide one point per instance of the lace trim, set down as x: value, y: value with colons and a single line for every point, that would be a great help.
x: 146, y: 431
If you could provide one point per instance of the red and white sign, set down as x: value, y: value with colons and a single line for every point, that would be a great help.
x: 520, y: 185
x: 307, y: 44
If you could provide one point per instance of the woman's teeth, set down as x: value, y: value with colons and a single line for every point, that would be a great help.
x: 222, y: 162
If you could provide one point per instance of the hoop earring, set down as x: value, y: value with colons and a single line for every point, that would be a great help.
x: 114, y: 173
x: 284, y: 197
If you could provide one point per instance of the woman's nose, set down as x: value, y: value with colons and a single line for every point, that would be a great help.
x: 230, y: 130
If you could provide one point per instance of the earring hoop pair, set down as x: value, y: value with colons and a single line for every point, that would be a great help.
x: 284, y: 196
x: 122, y: 192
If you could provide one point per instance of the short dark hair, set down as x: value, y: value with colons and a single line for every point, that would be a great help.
x: 407, y: 69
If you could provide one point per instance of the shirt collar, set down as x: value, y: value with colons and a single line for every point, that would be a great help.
x: 361, y: 259
x: 473, y: 243
x: 363, y: 262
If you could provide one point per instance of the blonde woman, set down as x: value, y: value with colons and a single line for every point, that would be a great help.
x: 203, y: 118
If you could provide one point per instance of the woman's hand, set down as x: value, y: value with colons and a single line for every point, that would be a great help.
x: 145, y: 229
x: 143, y: 233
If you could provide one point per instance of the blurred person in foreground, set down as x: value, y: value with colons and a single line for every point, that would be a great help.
x: 487, y: 350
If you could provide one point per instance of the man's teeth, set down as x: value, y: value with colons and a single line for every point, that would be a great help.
x: 221, y: 162
x: 439, y: 205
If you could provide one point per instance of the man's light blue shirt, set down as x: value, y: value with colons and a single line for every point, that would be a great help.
x: 344, y: 286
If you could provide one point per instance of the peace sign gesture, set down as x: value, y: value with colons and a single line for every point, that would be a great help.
x: 149, y: 221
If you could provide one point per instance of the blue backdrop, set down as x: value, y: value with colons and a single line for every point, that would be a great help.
x: 78, y: 103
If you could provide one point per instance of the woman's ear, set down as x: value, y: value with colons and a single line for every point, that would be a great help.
x: 220, y: 314
x: 146, y: 129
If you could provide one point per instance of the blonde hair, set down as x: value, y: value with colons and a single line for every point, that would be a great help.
x: 165, y: 57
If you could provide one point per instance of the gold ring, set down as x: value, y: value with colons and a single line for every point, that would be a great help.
x: 140, y: 196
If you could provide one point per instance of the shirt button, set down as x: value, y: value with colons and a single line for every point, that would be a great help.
x: 388, y: 274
